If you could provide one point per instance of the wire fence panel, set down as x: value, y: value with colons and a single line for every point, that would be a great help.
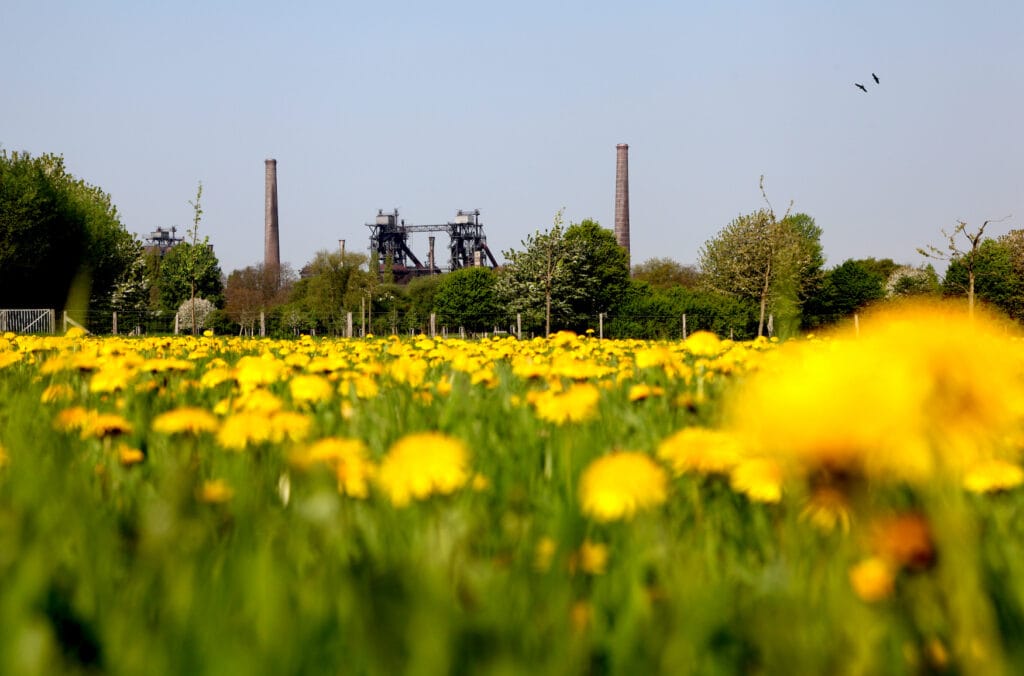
x: 27, y: 321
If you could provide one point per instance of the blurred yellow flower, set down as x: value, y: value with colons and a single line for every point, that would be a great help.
x: 105, y: 425
x: 576, y: 404
x: 110, y: 378
x: 420, y: 465
x: 993, y: 476
x: 591, y: 558
x: 10, y: 358
x: 73, y: 418
x: 185, y: 420
x: 310, y: 389
x: 760, y: 479
x: 699, y: 449
x: 642, y: 391
x: 258, y: 400
x: 617, y: 485
x: 543, y: 553
x: 247, y: 428
x: 57, y: 392
x: 703, y: 344
x: 256, y: 371
x: 348, y: 458
x: 873, y: 579
x: 923, y: 391
x: 4, y: 457
x: 128, y: 456
x: 215, y: 491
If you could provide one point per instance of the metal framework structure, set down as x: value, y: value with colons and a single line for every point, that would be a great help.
x: 161, y: 241
x: 389, y: 241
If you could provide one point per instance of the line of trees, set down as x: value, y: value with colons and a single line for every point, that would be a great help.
x: 63, y: 245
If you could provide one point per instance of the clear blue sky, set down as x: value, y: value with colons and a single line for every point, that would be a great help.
x: 515, y: 108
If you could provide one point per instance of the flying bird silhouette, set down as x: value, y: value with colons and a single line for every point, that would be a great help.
x: 862, y: 87
x: 876, y: 78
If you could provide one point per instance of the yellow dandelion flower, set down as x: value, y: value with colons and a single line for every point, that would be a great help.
x: 480, y: 483
x: 110, y: 378
x: 105, y: 425
x: 162, y: 365
x: 257, y: 371
x: 365, y: 387
x: 591, y: 558
x: 186, y: 420
x: 576, y: 404
x: 619, y: 484
x: 699, y: 449
x: 243, y: 429
x: 581, y: 615
x: 215, y: 491
x: 653, y: 356
x: 348, y: 457
x: 760, y: 479
x: 289, y: 425
x: 215, y: 376
x: 10, y: 358
x: 543, y: 553
x: 873, y: 579
x: 993, y: 476
x: 129, y: 456
x: 310, y: 389
x: 258, y: 400
x: 420, y: 465
x: 57, y: 392
x: 703, y: 344
x: 642, y: 391
x: 919, y: 414
x: 74, y: 418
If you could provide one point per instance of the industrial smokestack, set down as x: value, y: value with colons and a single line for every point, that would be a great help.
x: 430, y: 255
x: 271, y: 232
x: 622, y: 196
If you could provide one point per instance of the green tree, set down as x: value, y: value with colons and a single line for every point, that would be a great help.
x: 665, y: 273
x: 763, y: 259
x: 845, y: 289
x: 188, y: 269
x: 599, y: 273
x: 906, y: 280
x: 421, y: 293
x: 562, y: 278
x: 992, y: 274
x: 256, y: 289
x: 467, y: 298
x: 56, y: 229
x: 651, y: 313
x: 536, y: 281
x: 968, y: 256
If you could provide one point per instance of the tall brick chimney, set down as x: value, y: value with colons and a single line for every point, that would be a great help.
x: 622, y: 196
x: 271, y: 232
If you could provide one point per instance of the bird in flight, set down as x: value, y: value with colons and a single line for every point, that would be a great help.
x: 876, y: 78
x: 862, y: 87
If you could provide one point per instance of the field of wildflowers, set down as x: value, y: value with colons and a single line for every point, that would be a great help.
x: 836, y: 504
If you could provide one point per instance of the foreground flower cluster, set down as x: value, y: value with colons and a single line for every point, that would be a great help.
x: 600, y: 475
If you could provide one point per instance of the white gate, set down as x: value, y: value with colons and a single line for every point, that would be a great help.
x: 27, y: 321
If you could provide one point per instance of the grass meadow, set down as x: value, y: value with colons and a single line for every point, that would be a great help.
x: 837, y: 504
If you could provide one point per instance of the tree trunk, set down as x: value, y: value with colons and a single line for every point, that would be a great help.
x: 970, y: 293
x: 764, y: 299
